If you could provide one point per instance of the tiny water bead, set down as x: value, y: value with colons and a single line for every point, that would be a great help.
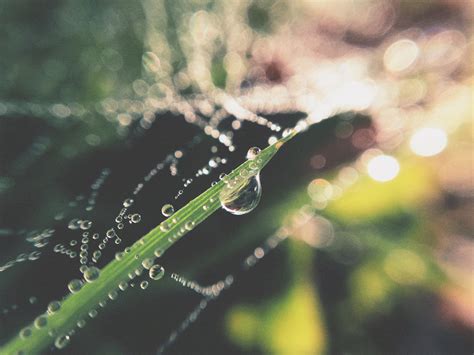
x: 85, y: 225
x: 53, y: 307
x: 241, y: 195
x: 123, y: 285
x: 156, y: 272
x: 135, y: 218
x: 167, y: 210
x: 144, y: 285
x: 189, y: 225
x: 253, y: 152
x: 40, y: 322
x: 147, y: 263
x: 25, y: 333
x: 62, y: 341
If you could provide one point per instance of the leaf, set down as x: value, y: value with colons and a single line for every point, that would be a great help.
x: 76, y: 306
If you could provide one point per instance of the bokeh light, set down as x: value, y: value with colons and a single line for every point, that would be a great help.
x: 383, y: 168
x: 428, y: 141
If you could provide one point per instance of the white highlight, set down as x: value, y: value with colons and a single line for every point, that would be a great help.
x: 383, y: 168
x: 427, y: 142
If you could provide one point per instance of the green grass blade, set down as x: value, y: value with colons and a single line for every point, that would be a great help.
x: 76, y: 306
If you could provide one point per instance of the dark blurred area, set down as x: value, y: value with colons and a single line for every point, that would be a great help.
x: 376, y: 194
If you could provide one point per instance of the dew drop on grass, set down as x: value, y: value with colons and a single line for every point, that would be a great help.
x: 40, y: 322
x: 113, y: 295
x: 287, y: 132
x: 53, y: 307
x: 164, y: 227
x: 189, y: 225
x: 75, y: 286
x: 167, y: 210
x: 242, y: 195
x: 143, y: 285
x: 81, y: 323
x: 156, y: 272
x: 25, y: 333
x: 91, y: 274
x: 123, y: 285
x: 253, y: 152
x: 61, y: 341
x: 136, y: 218
x: 147, y: 263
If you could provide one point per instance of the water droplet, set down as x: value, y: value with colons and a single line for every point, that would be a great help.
x: 40, y: 322
x: 97, y: 254
x: 81, y: 323
x: 136, y: 218
x: 62, y: 341
x: 158, y: 253
x: 143, y: 285
x: 156, y: 272
x: 93, y: 313
x: 119, y: 255
x: 167, y: 210
x: 113, y: 295
x: 287, y: 132
x: 86, y: 225
x: 164, y: 227
x: 147, y: 263
x: 91, y: 274
x: 189, y: 225
x: 242, y: 196
x: 75, y: 286
x: 253, y: 152
x: 53, y: 307
x: 74, y: 223
x: 123, y: 285
x: 25, y: 333
x: 34, y: 255
x: 128, y: 202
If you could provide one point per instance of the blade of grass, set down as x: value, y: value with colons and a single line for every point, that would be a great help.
x: 76, y: 306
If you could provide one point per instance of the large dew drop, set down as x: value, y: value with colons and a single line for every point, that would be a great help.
x: 242, y: 194
x: 253, y: 152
